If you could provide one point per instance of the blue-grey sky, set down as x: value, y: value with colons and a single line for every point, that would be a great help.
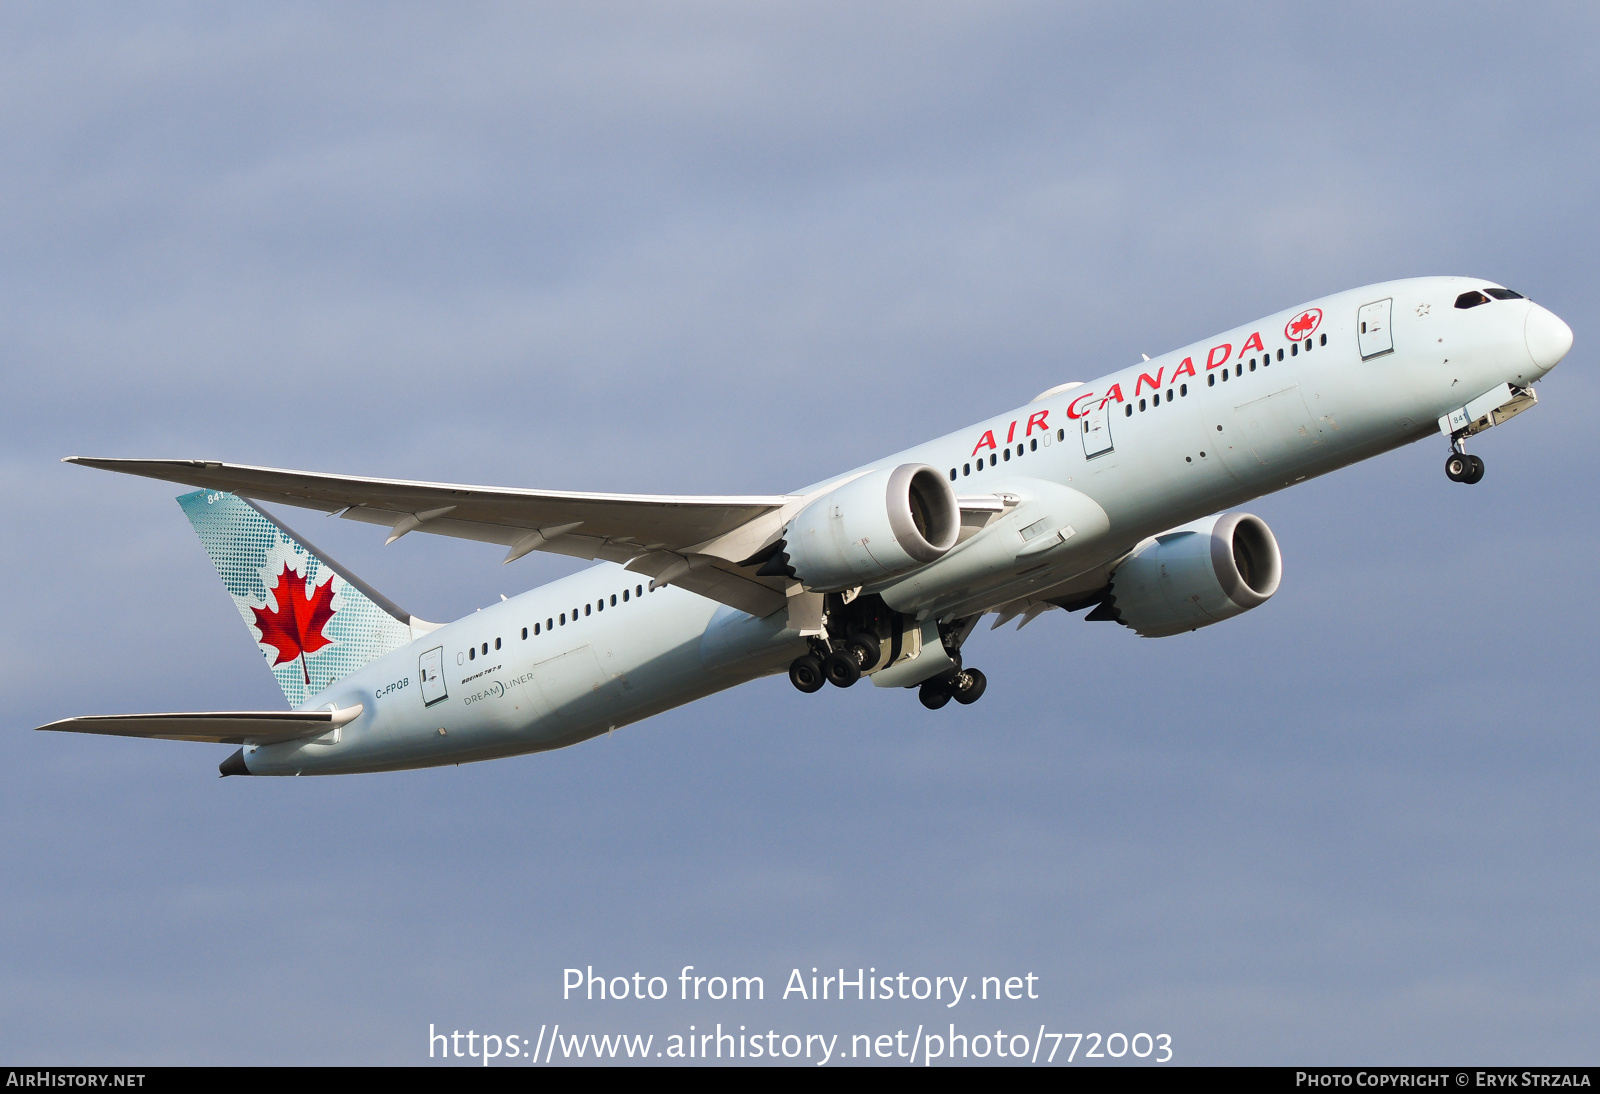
x: 733, y: 248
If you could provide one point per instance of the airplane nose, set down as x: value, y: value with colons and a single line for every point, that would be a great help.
x: 1548, y: 338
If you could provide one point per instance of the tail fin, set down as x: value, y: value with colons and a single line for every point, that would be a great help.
x: 314, y: 620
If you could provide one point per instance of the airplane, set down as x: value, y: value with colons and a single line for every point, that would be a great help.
x: 1115, y: 495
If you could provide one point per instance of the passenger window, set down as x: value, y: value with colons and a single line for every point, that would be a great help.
x: 1211, y: 381
x: 1033, y: 445
x: 536, y: 629
x: 1308, y: 345
x: 1294, y: 350
x: 1141, y: 406
x: 1280, y: 355
x: 497, y: 643
x: 1182, y: 390
x: 1169, y: 395
x: 1505, y: 294
x: 1008, y: 452
x: 486, y: 649
x: 952, y: 474
x: 599, y: 605
x: 1127, y: 411
x: 1252, y: 364
x: 586, y: 609
x: 613, y: 600
x: 638, y: 590
x: 1238, y: 370
x: 966, y: 469
x: 1224, y: 375
x: 1324, y: 340
x: 563, y: 619
x: 1061, y: 434
x: 624, y: 596
x: 472, y: 654
x: 549, y: 624
x: 992, y: 460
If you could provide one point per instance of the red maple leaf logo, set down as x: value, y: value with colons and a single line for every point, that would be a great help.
x: 295, y: 629
x: 1302, y: 325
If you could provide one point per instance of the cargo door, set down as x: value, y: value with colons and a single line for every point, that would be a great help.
x: 1278, y: 428
x: 573, y: 683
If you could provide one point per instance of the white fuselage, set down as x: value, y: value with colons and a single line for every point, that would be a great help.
x: 1240, y: 415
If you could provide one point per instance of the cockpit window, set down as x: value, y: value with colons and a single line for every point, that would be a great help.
x: 1471, y: 299
x: 1504, y: 294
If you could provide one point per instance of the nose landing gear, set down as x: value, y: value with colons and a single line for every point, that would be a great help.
x: 1461, y: 467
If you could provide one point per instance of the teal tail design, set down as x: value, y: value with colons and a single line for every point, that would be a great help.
x: 313, y: 620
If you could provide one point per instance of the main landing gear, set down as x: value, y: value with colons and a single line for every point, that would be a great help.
x: 840, y: 667
x: 863, y: 635
x: 1461, y: 467
x: 965, y: 686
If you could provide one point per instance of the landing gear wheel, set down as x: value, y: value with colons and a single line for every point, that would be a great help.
x: 805, y: 673
x: 1475, y: 471
x: 933, y: 694
x: 969, y: 685
x: 1458, y: 466
x: 869, y: 648
x: 841, y: 667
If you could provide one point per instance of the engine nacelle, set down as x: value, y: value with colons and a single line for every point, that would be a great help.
x: 1196, y: 575
x: 884, y: 523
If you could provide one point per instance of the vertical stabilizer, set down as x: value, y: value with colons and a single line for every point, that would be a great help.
x: 313, y: 620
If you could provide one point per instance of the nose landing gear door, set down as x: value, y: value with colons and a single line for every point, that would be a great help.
x: 430, y: 668
x: 1096, y: 431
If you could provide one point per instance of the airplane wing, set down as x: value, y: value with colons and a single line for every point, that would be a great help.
x: 239, y: 727
x: 693, y: 542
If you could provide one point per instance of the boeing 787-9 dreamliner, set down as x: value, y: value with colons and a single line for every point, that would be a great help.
x: 1111, y: 495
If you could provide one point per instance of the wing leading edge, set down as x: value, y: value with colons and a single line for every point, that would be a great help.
x: 693, y: 542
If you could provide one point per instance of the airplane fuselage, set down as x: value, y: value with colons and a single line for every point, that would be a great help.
x: 1132, y: 454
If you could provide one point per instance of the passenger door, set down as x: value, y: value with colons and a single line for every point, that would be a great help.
x: 1096, y: 431
x: 430, y: 670
x: 1372, y: 328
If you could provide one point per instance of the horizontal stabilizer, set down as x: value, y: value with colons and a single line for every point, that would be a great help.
x: 231, y: 727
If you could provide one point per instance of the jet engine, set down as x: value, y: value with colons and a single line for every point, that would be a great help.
x: 884, y: 523
x: 1194, y: 576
